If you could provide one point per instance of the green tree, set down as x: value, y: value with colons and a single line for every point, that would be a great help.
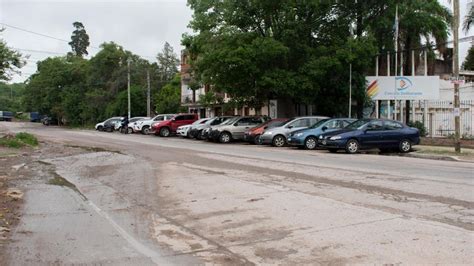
x: 79, y: 40
x: 469, y: 62
x: 168, y: 63
x: 168, y: 99
x: 10, y: 61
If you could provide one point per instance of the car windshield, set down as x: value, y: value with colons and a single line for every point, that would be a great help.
x: 277, y: 123
x: 320, y: 122
x: 230, y: 121
x: 200, y: 121
x: 358, y: 124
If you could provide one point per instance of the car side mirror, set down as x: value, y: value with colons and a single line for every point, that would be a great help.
x: 265, y: 127
x: 236, y: 124
x: 290, y: 127
x: 324, y: 128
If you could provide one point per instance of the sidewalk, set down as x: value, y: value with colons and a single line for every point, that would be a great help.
x: 442, y: 153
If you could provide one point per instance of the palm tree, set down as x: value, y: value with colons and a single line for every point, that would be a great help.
x: 469, y: 19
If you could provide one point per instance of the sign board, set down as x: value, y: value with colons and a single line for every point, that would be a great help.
x: 273, y: 109
x: 403, y: 87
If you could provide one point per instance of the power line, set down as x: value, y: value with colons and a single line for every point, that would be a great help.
x: 55, y: 38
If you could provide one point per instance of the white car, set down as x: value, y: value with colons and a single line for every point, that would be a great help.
x: 111, y: 122
x: 185, y: 131
x: 130, y: 123
x: 144, y: 126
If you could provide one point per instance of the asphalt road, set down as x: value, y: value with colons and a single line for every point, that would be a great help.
x: 179, y: 201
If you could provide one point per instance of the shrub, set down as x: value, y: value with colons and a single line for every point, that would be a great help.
x: 421, y: 127
x: 27, y: 138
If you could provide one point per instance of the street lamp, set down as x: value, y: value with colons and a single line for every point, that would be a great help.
x: 129, y: 60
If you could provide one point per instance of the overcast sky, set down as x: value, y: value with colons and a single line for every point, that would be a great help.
x: 141, y: 26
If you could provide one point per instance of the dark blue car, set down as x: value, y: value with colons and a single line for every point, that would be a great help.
x: 386, y: 135
x: 308, y: 138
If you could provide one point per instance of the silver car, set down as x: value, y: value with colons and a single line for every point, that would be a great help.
x: 197, y: 131
x: 235, y: 129
x: 278, y: 136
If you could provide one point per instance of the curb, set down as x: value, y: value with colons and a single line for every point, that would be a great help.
x: 436, y: 157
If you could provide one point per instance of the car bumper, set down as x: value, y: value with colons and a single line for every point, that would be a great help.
x: 295, y: 141
x: 249, y: 138
x: 266, y: 139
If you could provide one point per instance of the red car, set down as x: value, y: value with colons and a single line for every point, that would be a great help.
x: 166, y: 128
x: 253, y: 134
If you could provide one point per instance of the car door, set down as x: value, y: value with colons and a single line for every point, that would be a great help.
x: 297, y: 124
x: 240, y: 127
x: 371, y: 136
x: 393, y: 133
x: 178, y: 121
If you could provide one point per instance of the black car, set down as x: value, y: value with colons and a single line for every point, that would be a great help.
x: 386, y: 135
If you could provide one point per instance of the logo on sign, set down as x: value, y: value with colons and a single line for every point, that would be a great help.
x: 403, y: 83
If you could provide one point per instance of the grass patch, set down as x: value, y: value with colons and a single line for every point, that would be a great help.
x: 27, y: 138
x: 19, y: 140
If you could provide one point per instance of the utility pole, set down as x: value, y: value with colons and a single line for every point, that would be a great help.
x: 457, y: 111
x: 128, y: 86
x: 148, y: 101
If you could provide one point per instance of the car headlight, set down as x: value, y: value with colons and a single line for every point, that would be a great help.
x: 298, y: 134
x: 268, y: 133
x: 335, y: 138
x: 321, y: 137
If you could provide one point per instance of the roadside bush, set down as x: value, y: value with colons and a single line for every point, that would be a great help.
x: 27, y: 138
x: 420, y: 126
x: 19, y: 140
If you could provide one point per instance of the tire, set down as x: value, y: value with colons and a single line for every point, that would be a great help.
x: 225, y: 137
x: 129, y: 130
x: 165, y: 132
x: 332, y: 150
x: 310, y: 143
x: 257, y: 140
x: 405, y: 146
x: 279, y: 141
x: 100, y: 128
x: 352, y: 146
x: 146, y: 130
x: 199, y: 135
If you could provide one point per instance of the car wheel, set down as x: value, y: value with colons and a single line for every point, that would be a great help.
x: 146, y: 130
x: 100, y: 128
x: 332, y: 150
x: 279, y: 141
x: 405, y: 146
x: 199, y: 135
x: 129, y: 130
x: 310, y: 143
x: 352, y: 146
x: 224, y: 137
x: 164, y: 132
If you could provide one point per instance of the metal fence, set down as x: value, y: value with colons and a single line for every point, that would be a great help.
x: 440, y: 117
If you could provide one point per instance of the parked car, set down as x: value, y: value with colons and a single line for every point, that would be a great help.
x: 278, y: 136
x: 168, y: 127
x: 200, y: 131
x: 49, y: 120
x: 308, y: 138
x: 385, y: 135
x: 131, y: 122
x: 109, y: 124
x: 253, y: 135
x: 34, y: 116
x: 6, y: 116
x: 145, y: 126
x: 235, y: 129
x: 184, y: 131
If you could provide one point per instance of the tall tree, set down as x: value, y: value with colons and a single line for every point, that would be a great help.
x: 469, y: 19
x: 469, y: 62
x: 79, y: 40
x: 168, y: 63
x: 10, y: 61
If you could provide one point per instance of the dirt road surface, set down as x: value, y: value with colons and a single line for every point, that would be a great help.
x: 135, y: 199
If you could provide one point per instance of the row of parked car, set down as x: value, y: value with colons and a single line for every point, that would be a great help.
x: 308, y: 132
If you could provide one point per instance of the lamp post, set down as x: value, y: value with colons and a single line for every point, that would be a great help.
x: 129, y: 60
